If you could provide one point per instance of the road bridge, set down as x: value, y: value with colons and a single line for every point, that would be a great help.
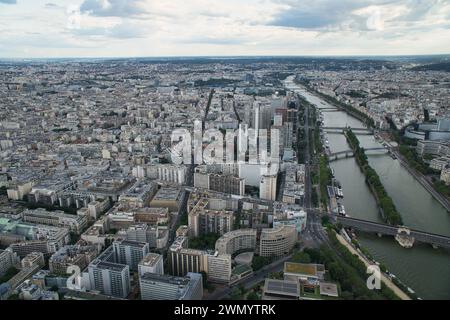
x: 398, y: 232
x: 357, y: 131
x: 329, y: 110
x: 349, y: 153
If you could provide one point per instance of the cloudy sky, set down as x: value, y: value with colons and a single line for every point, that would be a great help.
x: 116, y: 28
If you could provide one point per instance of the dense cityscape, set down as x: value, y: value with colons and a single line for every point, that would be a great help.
x: 332, y: 166
x: 224, y: 158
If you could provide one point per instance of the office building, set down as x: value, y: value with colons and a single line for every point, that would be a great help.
x: 172, y: 173
x: 268, y: 187
x: 227, y: 184
x: 8, y: 259
x: 112, y: 279
x: 139, y: 194
x: 219, y: 267
x: 219, y: 182
x: 109, y: 277
x: 182, y: 260
x: 27, y: 247
x: 281, y: 290
x: 163, y: 287
x: 151, y: 263
x: 202, y: 219
x: 237, y: 241
x: 32, y: 259
x: 137, y: 232
x: 434, y: 148
x: 75, y: 223
x: 130, y: 252
x: 277, y: 241
x: 167, y: 197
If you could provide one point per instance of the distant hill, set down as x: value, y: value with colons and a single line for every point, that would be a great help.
x: 442, y: 66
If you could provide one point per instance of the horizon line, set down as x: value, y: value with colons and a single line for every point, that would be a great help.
x: 225, y: 56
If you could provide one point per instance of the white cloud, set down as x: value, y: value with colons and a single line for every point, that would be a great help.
x: 223, y: 27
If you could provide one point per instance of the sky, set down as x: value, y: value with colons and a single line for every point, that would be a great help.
x: 146, y: 28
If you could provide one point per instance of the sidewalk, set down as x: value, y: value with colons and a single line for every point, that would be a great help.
x: 388, y: 282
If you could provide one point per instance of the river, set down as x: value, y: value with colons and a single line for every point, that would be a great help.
x: 422, y: 268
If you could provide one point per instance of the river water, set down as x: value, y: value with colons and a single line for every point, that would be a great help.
x: 422, y: 268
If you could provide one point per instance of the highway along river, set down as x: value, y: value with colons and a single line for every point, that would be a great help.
x: 422, y: 268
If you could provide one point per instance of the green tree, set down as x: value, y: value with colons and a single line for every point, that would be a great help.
x: 301, y: 257
x: 236, y: 294
x: 258, y: 262
x: 253, y: 296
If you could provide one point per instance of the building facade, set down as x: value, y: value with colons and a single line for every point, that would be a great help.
x: 109, y: 277
x: 164, y: 287
x: 237, y: 241
x: 130, y: 252
x: 268, y: 187
x: 151, y: 263
x: 277, y: 241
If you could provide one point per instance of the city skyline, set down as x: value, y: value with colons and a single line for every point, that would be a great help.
x: 136, y: 28
x: 215, y: 150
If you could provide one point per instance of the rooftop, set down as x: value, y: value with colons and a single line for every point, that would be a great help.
x: 105, y: 265
x: 181, y: 281
x: 329, y: 289
x: 300, y: 268
x: 131, y: 243
x: 150, y: 259
x: 283, y: 287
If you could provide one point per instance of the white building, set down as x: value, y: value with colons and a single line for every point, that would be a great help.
x: 277, y: 241
x: 109, y: 277
x: 219, y: 267
x: 162, y: 287
x: 237, y: 240
x: 290, y: 215
x: 130, y: 252
x: 151, y: 263
x: 268, y: 187
x: 17, y: 191
x: 8, y: 259
x: 445, y: 175
x: 172, y: 173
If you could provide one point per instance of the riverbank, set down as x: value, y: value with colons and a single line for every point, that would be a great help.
x: 419, y: 209
x: 340, y: 105
x: 423, y: 181
x: 385, y: 279
x: 384, y: 201
x: 369, y: 121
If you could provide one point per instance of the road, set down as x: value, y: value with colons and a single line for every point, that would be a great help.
x: 384, y: 278
x: 251, y: 281
x: 314, y: 234
x: 183, y: 205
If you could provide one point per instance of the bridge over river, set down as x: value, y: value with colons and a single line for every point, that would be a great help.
x: 349, y: 153
x: 400, y: 233
x: 357, y: 131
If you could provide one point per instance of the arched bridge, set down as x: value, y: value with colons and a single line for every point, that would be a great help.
x: 398, y: 232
